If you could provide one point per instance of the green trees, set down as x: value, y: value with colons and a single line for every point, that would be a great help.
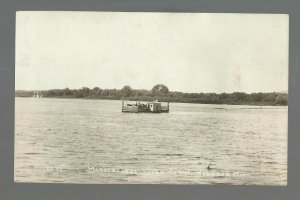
x: 67, y: 92
x: 126, y: 91
x: 282, y: 99
x: 162, y: 93
x: 96, y: 92
x: 160, y: 90
x: 239, y: 97
x: 85, y: 91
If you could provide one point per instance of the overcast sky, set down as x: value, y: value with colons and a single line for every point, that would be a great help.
x: 188, y: 52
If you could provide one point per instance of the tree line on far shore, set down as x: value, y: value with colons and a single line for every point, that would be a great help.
x: 161, y: 92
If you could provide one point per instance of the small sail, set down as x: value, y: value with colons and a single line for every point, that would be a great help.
x: 37, y: 94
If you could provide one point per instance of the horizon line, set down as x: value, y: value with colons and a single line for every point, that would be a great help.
x: 149, y: 90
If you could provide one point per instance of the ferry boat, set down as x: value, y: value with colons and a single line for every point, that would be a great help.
x: 145, y: 107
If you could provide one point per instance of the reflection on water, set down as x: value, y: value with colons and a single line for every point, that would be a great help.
x: 92, y: 141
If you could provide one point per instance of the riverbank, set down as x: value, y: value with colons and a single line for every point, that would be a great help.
x: 190, y: 101
x: 162, y: 93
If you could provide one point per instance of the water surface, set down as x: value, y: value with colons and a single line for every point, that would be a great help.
x: 92, y: 141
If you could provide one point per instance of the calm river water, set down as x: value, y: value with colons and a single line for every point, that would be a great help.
x: 92, y: 141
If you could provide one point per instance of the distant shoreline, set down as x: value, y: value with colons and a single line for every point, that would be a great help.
x: 87, y: 98
x: 161, y: 93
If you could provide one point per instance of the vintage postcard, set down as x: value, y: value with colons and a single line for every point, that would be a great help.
x: 151, y: 98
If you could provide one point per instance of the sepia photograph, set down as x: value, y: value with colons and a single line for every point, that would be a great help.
x: 151, y: 98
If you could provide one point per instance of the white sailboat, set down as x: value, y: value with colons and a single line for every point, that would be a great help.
x: 37, y: 94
